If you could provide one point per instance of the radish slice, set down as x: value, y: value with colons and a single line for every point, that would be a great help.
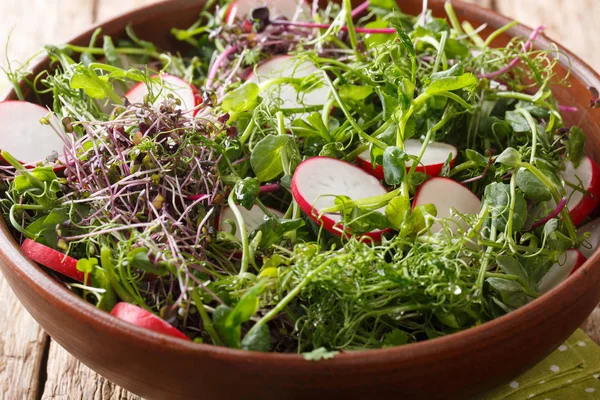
x: 567, y: 263
x: 431, y: 163
x: 447, y: 195
x: 145, y: 319
x: 277, y: 8
x: 318, y: 180
x: 50, y: 258
x: 23, y: 136
x: 253, y: 218
x: 289, y: 67
x: 587, y: 176
x: 588, y: 248
x: 174, y: 85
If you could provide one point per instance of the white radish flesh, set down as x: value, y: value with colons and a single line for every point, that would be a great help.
x: 587, y: 177
x: 318, y: 180
x: 286, y: 95
x: 591, y: 244
x: 277, y: 8
x: 180, y: 89
x: 22, y: 134
x: 448, y: 197
x: 567, y: 263
x: 431, y: 163
x: 253, y: 218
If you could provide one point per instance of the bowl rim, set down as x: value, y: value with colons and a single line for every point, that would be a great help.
x: 37, y: 279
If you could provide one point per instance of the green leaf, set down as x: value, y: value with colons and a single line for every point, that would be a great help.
x: 397, y: 211
x: 138, y: 258
x: 246, y: 307
x: 394, y: 167
x: 372, y: 40
x: 53, y: 221
x: 246, y: 192
x: 110, y: 52
x: 87, y: 265
x: 244, y: 98
x: 230, y: 335
x: 466, y: 81
x: 497, y: 198
x: 455, y: 71
x: 395, y: 338
x: 257, y: 340
x: 533, y: 109
x: 509, y: 157
x: 109, y: 298
x: 320, y: 354
x: 532, y: 186
x: 517, y: 122
x: 455, y: 49
x: 355, y: 93
x: 266, y: 157
x: 273, y: 230
x: 511, y: 291
x: 511, y: 266
x: 576, y: 146
x: 389, y: 104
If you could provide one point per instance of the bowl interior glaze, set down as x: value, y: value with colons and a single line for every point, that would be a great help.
x: 454, y: 366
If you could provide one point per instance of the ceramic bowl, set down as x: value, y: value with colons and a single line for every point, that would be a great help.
x: 455, y: 366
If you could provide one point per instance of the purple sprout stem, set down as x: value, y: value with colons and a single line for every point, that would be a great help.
x: 387, y: 31
x: 567, y: 108
x: 553, y: 214
x: 360, y: 9
x: 273, y: 187
x: 513, y: 63
x: 217, y: 64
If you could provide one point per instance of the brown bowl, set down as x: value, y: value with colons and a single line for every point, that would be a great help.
x: 454, y: 366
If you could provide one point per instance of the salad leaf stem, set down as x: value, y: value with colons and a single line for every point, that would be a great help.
x: 241, y: 226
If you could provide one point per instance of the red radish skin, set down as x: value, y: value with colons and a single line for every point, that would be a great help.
x: 581, y: 205
x: 446, y: 195
x: 253, y: 218
x: 289, y: 66
x: 23, y: 136
x: 53, y: 259
x: 588, y: 248
x: 145, y: 319
x: 431, y: 164
x: 187, y: 93
x: 324, y: 176
x: 567, y: 264
x: 277, y: 8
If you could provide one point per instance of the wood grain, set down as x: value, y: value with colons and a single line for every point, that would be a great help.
x: 69, y: 379
x: 24, y: 348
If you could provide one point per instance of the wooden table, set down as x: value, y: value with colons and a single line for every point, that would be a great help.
x: 32, y: 365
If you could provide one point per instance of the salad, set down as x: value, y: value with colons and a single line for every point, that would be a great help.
x: 301, y: 179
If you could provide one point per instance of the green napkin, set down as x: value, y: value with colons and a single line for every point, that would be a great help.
x: 571, y: 372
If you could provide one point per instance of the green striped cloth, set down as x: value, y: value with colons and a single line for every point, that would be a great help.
x: 570, y: 373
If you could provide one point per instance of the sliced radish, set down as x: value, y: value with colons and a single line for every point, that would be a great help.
x: 145, y: 319
x: 447, y: 196
x: 277, y: 8
x: 174, y: 85
x: 591, y: 244
x: 567, y: 263
x: 289, y: 67
x: 431, y: 163
x: 50, y: 258
x: 586, y: 176
x: 23, y: 136
x: 318, y: 180
x: 253, y: 218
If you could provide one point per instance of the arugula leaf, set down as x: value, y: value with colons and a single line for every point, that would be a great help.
x: 257, y: 340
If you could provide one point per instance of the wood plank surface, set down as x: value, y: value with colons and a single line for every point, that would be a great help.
x: 32, y: 366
